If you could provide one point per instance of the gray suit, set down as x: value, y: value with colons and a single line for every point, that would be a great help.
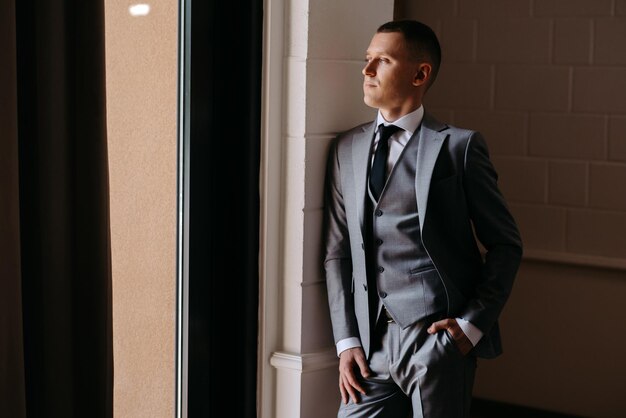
x: 449, y: 199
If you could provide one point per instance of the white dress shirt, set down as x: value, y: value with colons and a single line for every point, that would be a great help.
x: 409, y: 124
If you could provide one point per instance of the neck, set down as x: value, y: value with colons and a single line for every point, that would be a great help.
x: 392, y: 115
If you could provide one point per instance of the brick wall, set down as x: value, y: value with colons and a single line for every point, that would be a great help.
x: 545, y: 81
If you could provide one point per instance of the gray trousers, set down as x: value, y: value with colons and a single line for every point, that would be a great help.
x: 414, y: 374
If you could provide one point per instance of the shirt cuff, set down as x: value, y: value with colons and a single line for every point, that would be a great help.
x: 470, y: 331
x: 346, y: 343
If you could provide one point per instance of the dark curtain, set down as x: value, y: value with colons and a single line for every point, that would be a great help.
x: 55, y: 297
x: 225, y: 130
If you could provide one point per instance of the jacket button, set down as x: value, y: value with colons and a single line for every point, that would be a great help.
x: 382, y: 295
x: 381, y: 269
x: 378, y: 212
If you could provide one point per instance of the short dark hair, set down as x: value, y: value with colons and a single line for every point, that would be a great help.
x: 421, y: 41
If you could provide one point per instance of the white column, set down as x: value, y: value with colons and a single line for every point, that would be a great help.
x: 317, y: 95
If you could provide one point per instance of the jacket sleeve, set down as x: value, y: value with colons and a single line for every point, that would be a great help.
x: 337, y: 256
x: 496, y: 230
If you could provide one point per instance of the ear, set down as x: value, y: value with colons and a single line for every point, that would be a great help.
x: 422, y: 74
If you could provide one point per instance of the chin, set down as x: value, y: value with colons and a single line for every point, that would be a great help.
x: 369, y: 101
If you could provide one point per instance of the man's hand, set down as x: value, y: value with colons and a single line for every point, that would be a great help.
x: 452, y: 327
x: 349, y: 360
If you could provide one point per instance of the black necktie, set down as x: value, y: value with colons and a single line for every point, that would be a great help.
x: 378, y: 174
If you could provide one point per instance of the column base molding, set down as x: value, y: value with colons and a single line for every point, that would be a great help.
x: 305, y: 363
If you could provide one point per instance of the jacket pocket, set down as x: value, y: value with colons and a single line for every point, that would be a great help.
x: 422, y: 269
x: 435, y: 295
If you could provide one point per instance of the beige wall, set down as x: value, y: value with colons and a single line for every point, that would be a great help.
x: 141, y: 58
x: 545, y: 81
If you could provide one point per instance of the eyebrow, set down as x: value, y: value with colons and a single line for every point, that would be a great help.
x: 387, y: 54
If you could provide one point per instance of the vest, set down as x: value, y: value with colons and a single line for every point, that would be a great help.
x: 407, y: 283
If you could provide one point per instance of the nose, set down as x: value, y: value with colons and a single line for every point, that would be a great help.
x: 369, y: 69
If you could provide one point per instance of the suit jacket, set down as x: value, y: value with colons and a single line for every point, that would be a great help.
x: 460, y: 207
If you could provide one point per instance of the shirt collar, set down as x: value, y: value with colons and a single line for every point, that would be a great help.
x: 409, y: 122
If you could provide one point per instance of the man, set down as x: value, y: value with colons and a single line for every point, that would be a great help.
x: 413, y: 300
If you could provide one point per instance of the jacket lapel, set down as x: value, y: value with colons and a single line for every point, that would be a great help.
x: 431, y: 138
x: 361, y: 145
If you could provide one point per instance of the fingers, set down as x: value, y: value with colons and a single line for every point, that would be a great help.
x: 349, y: 385
x: 342, y: 390
x: 351, y: 382
x: 452, y: 327
x: 455, y: 330
x: 353, y: 393
x: 460, y: 339
x: 441, y: 325
x: 363, y: 366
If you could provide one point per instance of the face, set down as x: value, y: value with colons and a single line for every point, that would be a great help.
x: 393, y: 82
